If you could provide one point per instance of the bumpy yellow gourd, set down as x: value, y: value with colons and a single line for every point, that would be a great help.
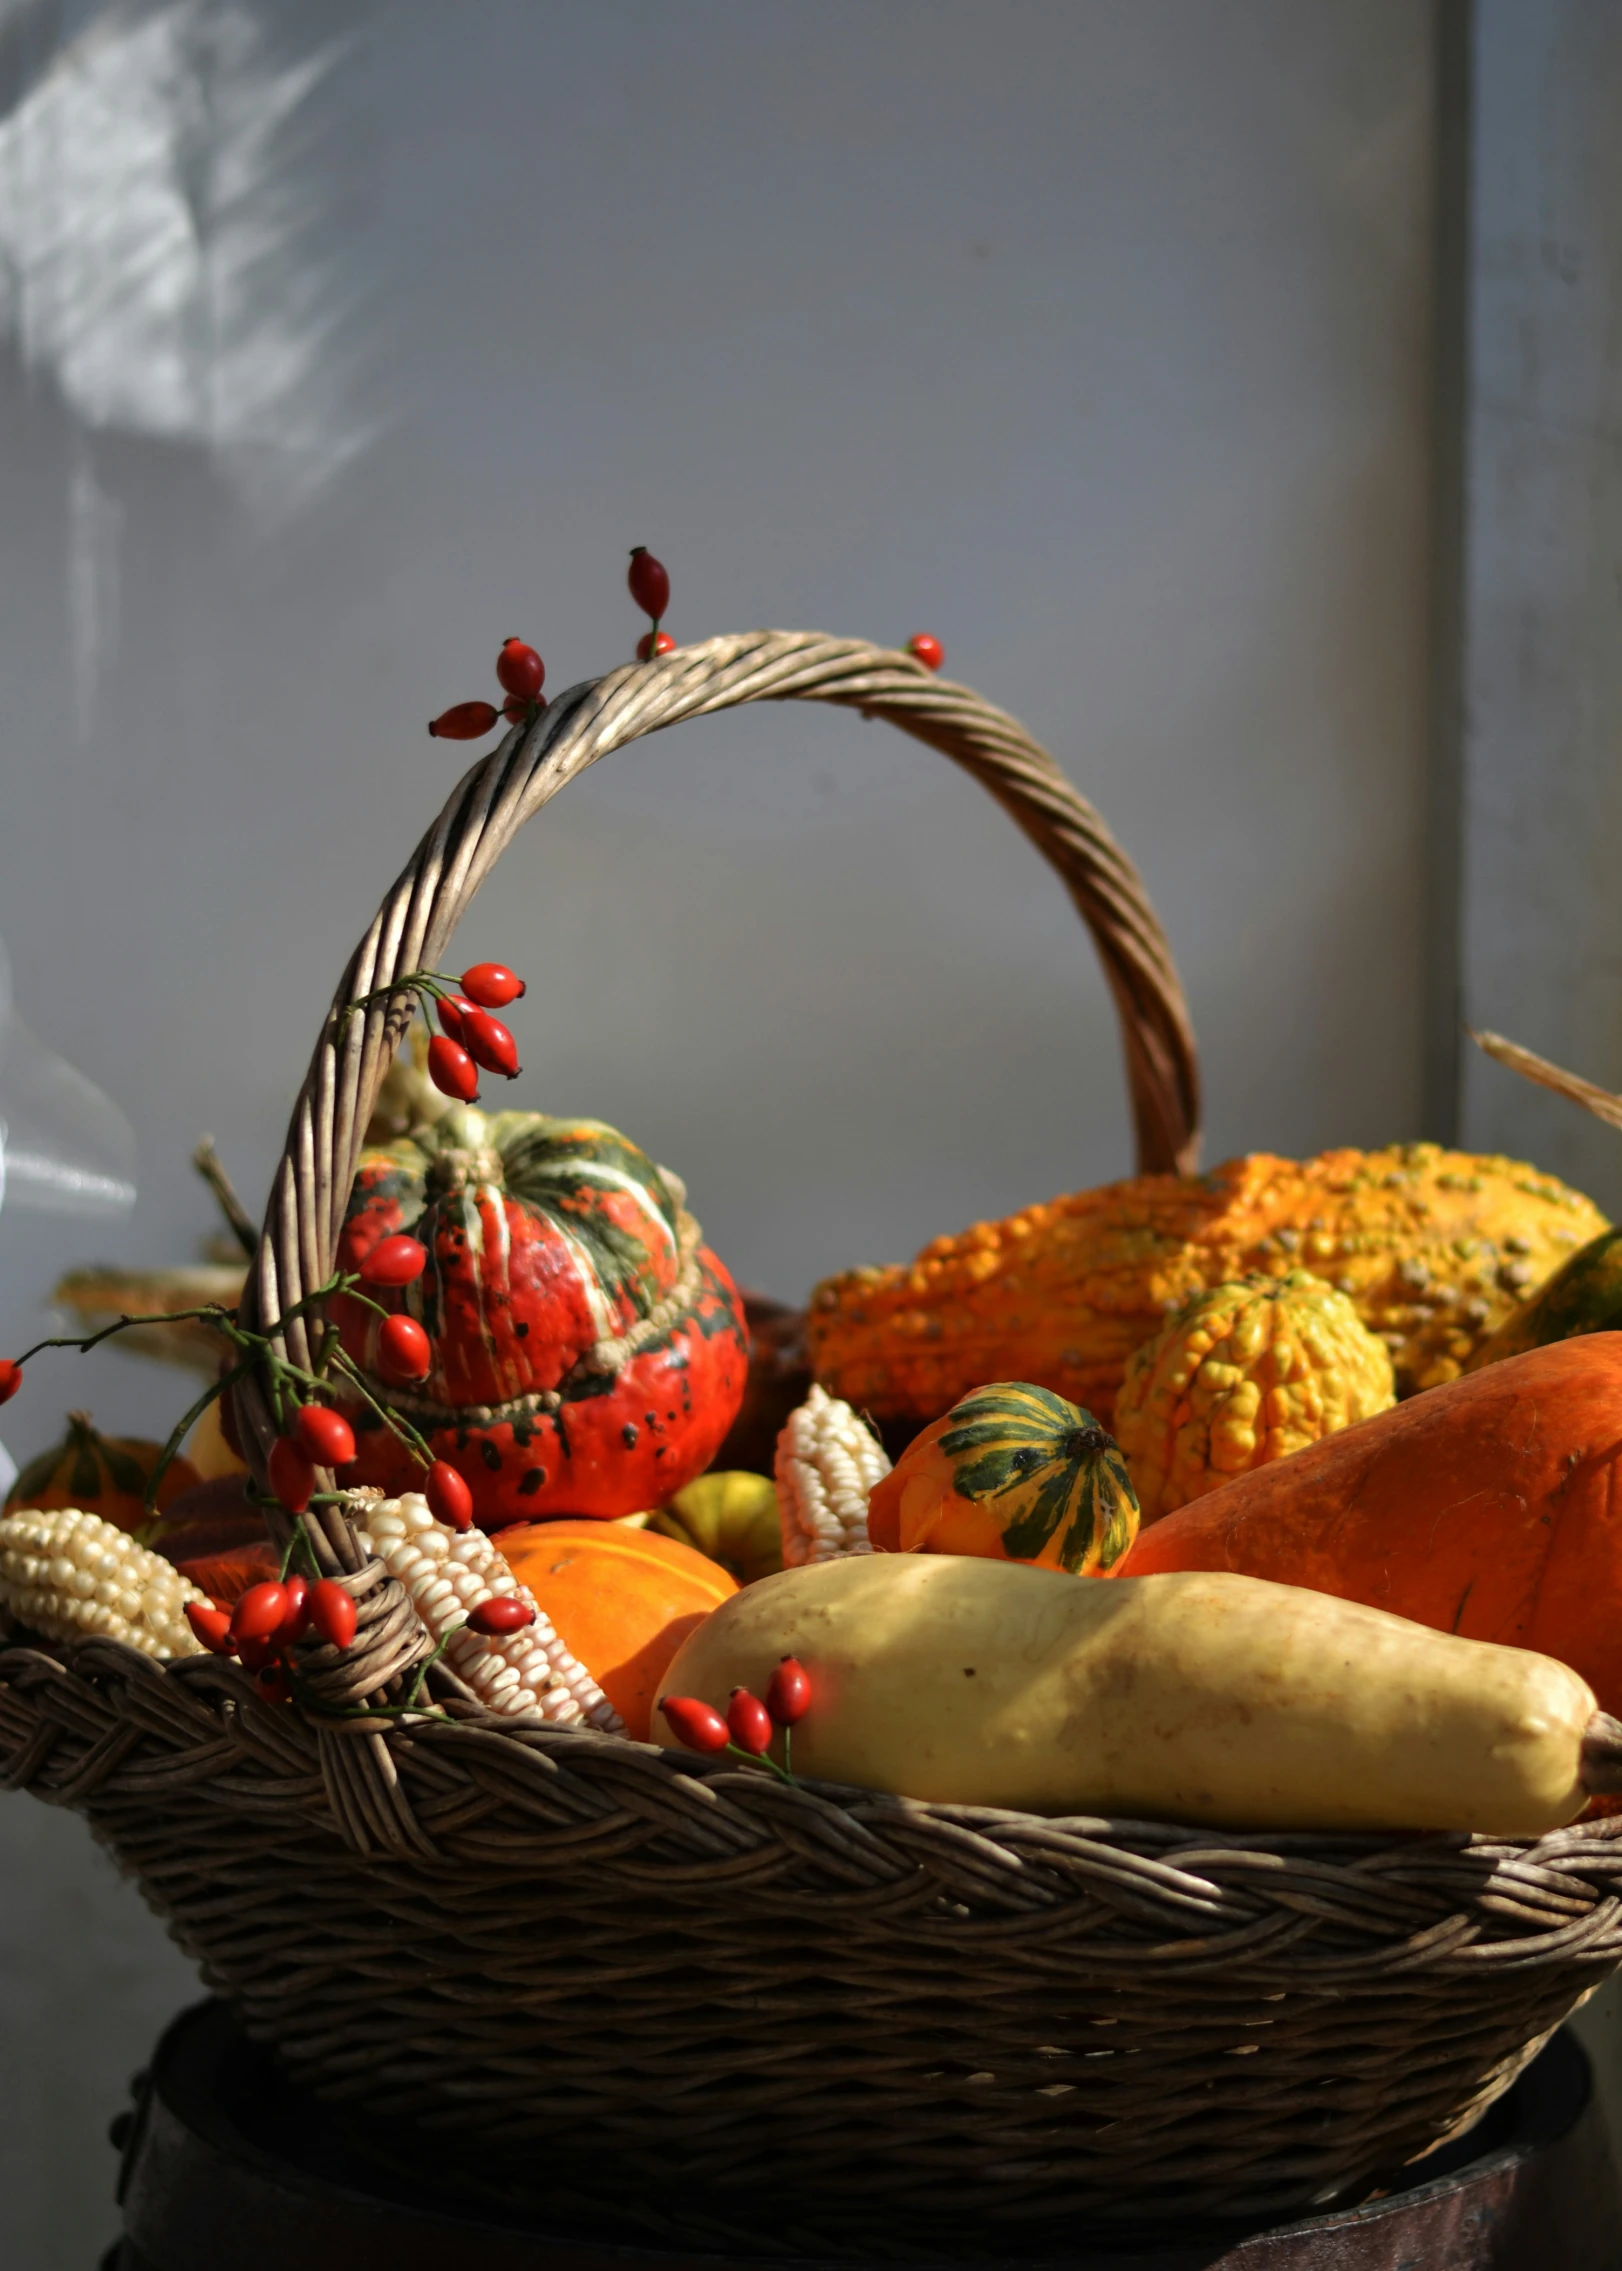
x: 1242, y: 1375
x: 1203, y: 1698
x: 1433, y: 1248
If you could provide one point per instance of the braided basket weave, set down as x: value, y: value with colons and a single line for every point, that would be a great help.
x: 892, y: 2023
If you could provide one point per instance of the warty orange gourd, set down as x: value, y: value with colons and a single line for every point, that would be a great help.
x: 1433, y: 1248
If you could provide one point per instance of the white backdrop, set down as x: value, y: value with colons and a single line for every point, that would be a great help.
x: 336, y: 344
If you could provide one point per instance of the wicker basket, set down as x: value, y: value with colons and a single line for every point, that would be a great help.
x: 887, y: 2020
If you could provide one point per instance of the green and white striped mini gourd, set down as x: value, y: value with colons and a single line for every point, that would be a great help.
x: 446, y: 1573
x: 73, y: 1576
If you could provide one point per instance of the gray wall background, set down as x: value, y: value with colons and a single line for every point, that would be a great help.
x: 337, y: 344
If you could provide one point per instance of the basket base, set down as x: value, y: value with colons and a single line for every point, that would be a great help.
x: 225, y: 2162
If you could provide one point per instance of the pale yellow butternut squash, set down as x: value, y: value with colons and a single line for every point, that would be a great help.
x: 1199, y: 1697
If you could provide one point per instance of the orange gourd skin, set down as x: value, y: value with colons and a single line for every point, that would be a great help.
x: 623, y: 1601
x: 1491, y: 1507
x: 1010, y: 1473
x: 1433, y: 1248
x: 601, y: 1454
x: 958, y: 1525
x: 225, y: 1576
x: 100, y: 1474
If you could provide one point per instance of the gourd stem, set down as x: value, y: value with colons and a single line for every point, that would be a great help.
x: 1600, y: 1770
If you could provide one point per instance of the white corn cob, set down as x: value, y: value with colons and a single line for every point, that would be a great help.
x: 828, y: 1459
x: 446, y: 1573
x: 68, y: 1575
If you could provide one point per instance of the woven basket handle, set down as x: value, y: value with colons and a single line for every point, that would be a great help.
x: 414, y: 925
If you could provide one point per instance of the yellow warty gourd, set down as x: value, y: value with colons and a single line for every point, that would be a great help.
x: 1192, y: 1697
x: 75, y: 1576
x: 1242, y: 1375
x: 1433, y: 1248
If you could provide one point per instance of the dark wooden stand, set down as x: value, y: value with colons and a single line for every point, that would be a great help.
x: 224, y: 2164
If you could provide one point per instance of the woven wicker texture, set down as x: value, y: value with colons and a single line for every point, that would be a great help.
x: 907, y: 2018
x: 878, y: 2010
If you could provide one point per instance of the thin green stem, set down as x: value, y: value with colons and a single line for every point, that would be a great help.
x: 223, y: 1320
x: 343, y: 1363
x: 300, y: 1538
x: 354, y: 1294
x: 425, y: 1667
x: 189, y: 1419
x: 760, y: 1758
x: 434, y: 983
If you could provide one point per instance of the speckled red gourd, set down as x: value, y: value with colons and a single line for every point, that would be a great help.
x: 588, y: 1351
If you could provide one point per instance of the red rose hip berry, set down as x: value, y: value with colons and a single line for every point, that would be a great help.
x: 788, y: 1698
x: 290, y: 1474
x: 332, y: 1613
x: 212, y: 1627
x: 749, y: 1723
x: 464, y: 721
x: 324, y: 1436
x: 394, y: 1261
x: 491, y: 985
x: 488, y: 1042
x: 403, y: 1352
x: 654, y: 643
x: 500, y: 1614
x: 452, y: 1070
x: 259, y: 1613
x: 695, y: 1726
x: 924, y: 647
x: 272, y: 1685
x: 521, y: 670
x: 649, y: 582
x: 11, y: 1379
x: 296, y: 1615
x: 449, y: 1499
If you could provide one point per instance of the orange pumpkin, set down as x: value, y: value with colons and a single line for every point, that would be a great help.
x: 1491, y: 1507
x: 100, y: 1474
x: 226, y: 1575
x: 216, y: 1537
x: 623, y: 1600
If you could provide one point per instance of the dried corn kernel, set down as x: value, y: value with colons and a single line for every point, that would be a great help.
x: 446, y: 1573
x: 71, y: 1575
x: 828, y: 1459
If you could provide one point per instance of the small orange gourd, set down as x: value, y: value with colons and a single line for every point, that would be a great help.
x: 623, y: 1600
x: 100, y: 1474
x: 1012, y: 1473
